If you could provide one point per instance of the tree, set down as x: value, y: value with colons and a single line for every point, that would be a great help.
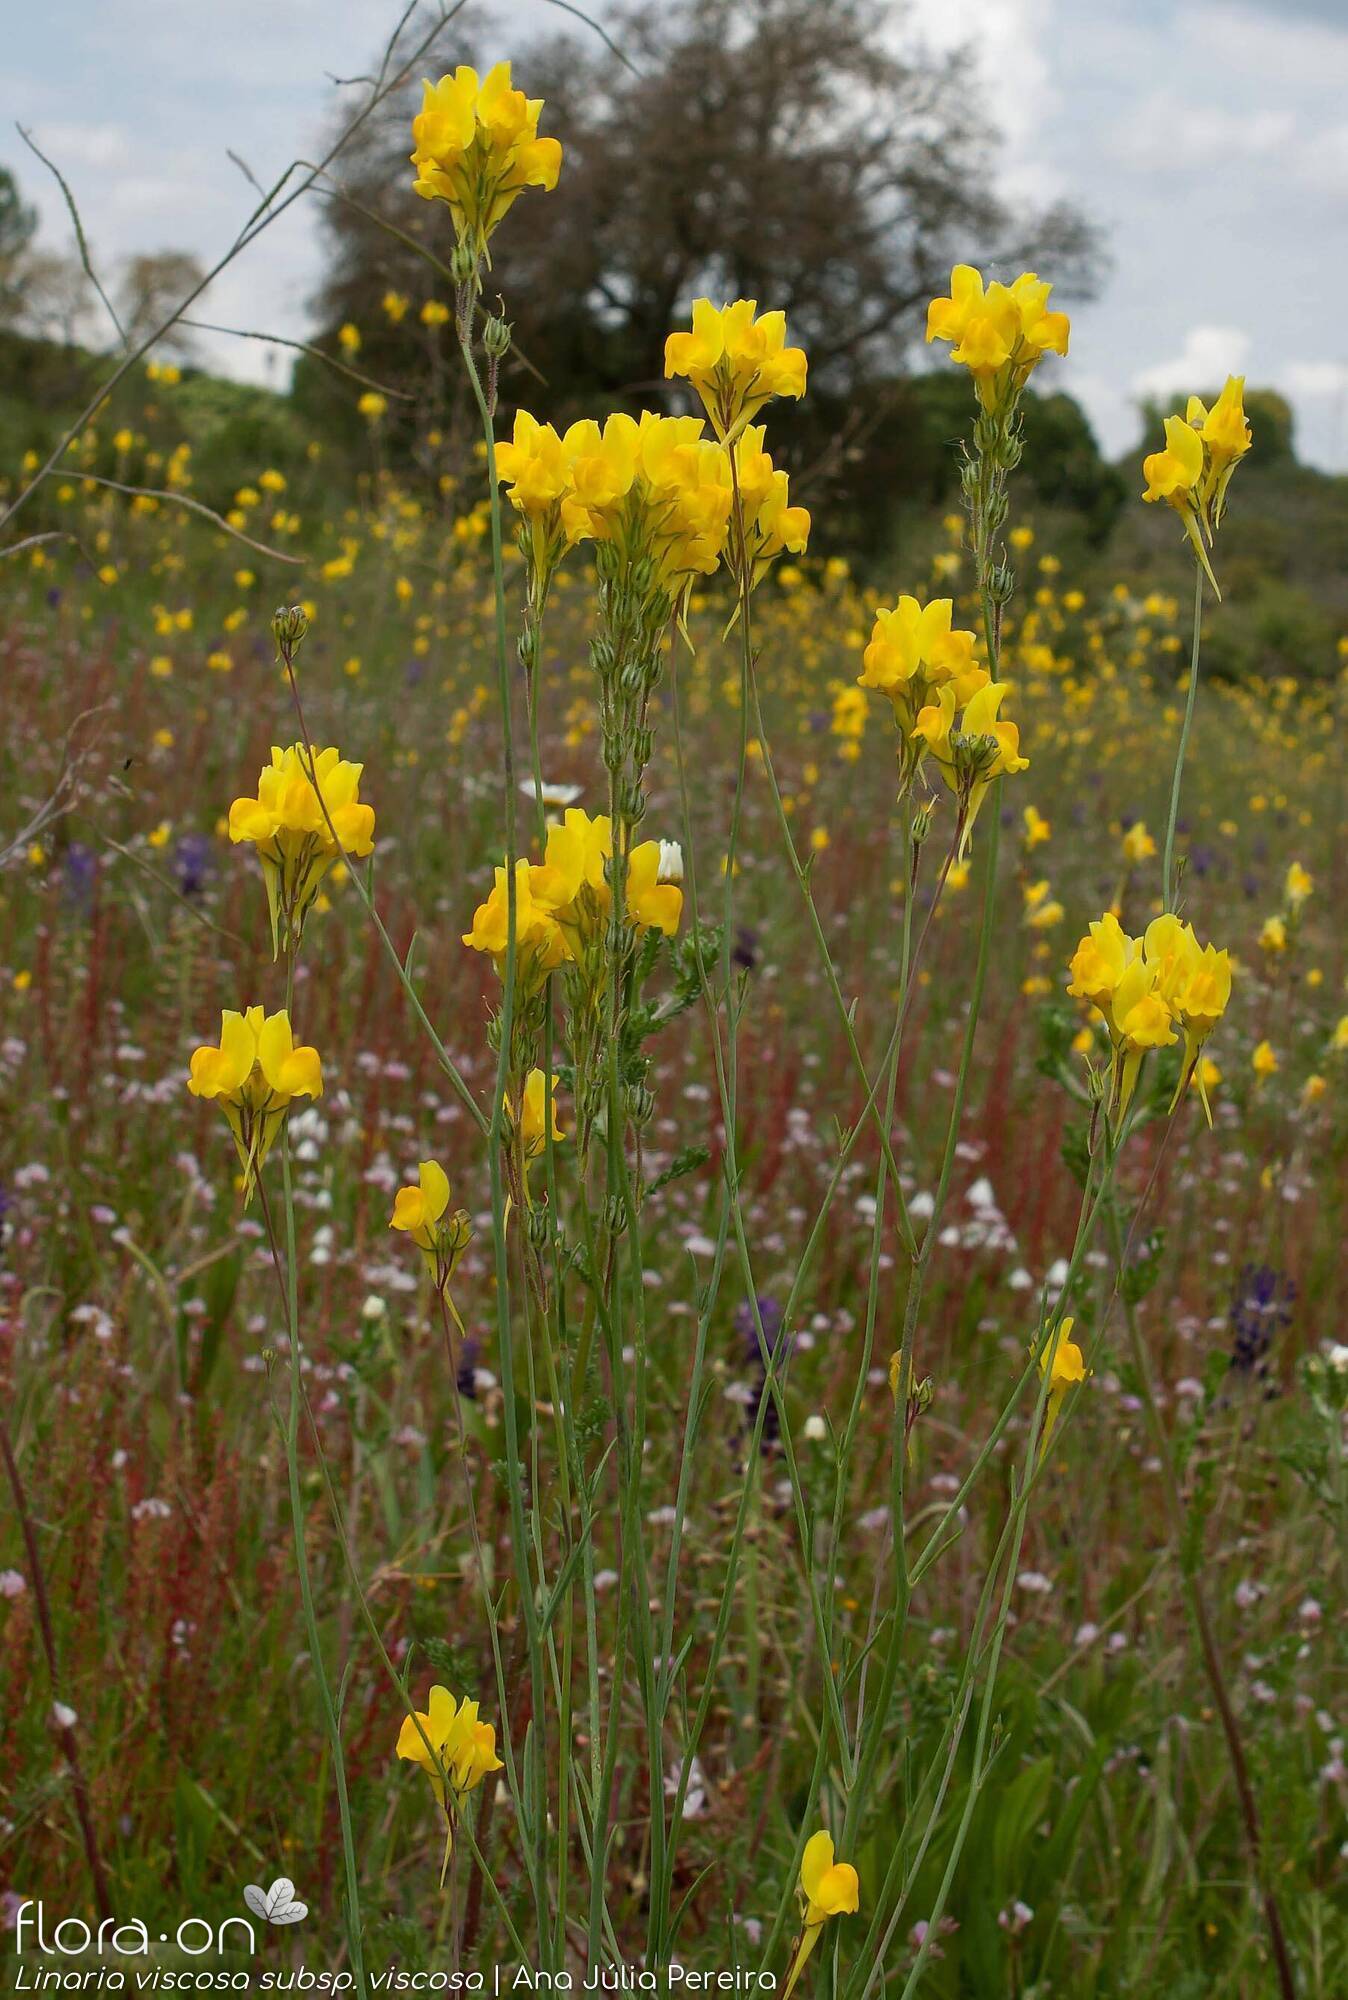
x: 775, y: 149
x: 18, y: 226
x: 150, y: 287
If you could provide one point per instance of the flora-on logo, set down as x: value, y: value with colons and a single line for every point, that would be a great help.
x: 277, y: 1905
x: 126, y: 1937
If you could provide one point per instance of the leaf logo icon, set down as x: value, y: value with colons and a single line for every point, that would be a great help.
x: 277, y: 1905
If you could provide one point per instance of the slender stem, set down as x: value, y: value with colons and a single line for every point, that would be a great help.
x: 288, y: 1279
x: 1168, y: 884
x: 1207, y: 1643
x: 65, y: 1731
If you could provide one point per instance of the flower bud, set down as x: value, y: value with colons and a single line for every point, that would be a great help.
x: 289, y: 623
x: 496, y: 337
x: 540, y: 1226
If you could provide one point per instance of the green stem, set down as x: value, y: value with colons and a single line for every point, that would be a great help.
x: 1168, y: 884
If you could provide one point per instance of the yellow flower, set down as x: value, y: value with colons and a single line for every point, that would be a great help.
x: 976, y: 753
x: 418, y: 1209
x: 999, y: 333
x: 1297, y: 886
x: 476, y: 147
x: 913, y: 653
x: 1264, y: 1061
x: 1037, y: 828
x: 1273, y: 936
x: 828, y: 1888
x: 653, y: 901
x: 1226, y: 439
x: 1339, y: 1039
x: 348, y: 339
x: 1138, y: 844
x: 420, y: 1212
x: 454, y: 1748
x: 299, y: 832
x: 1143, y: 987
x: 540, y: 945
x: 1173, y: 474
x: 1313, y: 1089
x: 1193, y: 470
x: 573, y: 882
x: 736, y: 362
x: 1062, y: 1361
x: 656, y: 488
x: 372, y: 406
x: 395, y: 306
x: 533, y: 1120
x: 253, y: 1075
x: 771, y: 523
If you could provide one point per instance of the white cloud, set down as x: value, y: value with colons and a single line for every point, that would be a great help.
x: 1208, y: 356
x: 1316, y: 378
x: 1008, y: 39
x: 1166, y: 132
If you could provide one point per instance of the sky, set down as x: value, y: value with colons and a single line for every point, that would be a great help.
x: 1208, y: 137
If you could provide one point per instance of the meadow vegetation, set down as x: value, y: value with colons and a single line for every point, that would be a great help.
x: 753, y: 1374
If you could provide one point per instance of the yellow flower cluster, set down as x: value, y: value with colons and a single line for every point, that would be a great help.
x: 1202, y: 450
x: 562, y: 903
x: 928, y: 670
x: 253, y: 1075
x: 476, y: 147
x: 998, y: 332
x: 654, y: 486
x: 736, y: 362
x: 299, y: 832
x: 913, y: 652
x: 1146, y: 989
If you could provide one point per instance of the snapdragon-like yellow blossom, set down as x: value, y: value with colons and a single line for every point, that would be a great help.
x: 1138, y: 844
x: 1062, y: 1361
x: 1193, y: 470
x: 971, y: 756
x: 736, y: 362
x: 253, y: 1076
x: 540, y: 946
x: 998, y: 332
x: 454, y: 1747
x: 828, y: 1888
x: 533, y: 1117
x: 654, y: 488
x: 535, y: 466
x: 299, y: 832
x: 771, y: 524
x: 913, y: 652
x: 421, y: 1212
x: 1297, y: 886
x: 1148, y: 989
x: 476, y: 147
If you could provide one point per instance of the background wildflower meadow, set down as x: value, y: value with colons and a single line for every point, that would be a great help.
x: 753, y: 1377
